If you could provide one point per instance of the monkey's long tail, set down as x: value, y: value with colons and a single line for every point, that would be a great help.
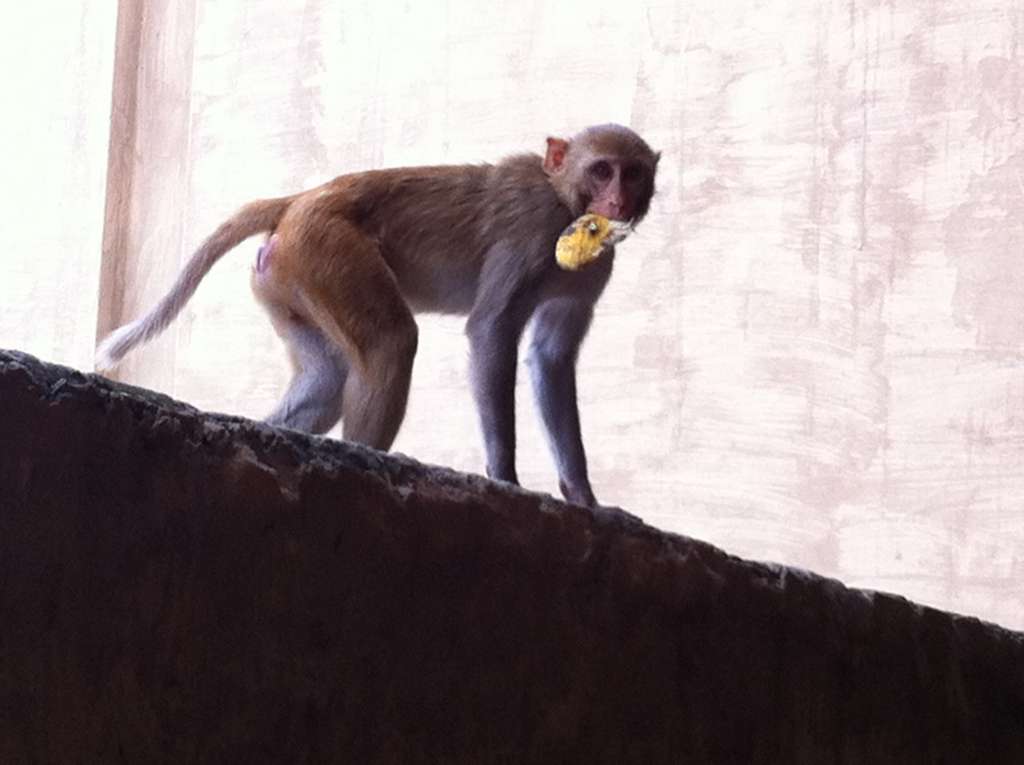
x: 253, y: 218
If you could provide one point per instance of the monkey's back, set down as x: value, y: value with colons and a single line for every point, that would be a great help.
x: 451, y: 215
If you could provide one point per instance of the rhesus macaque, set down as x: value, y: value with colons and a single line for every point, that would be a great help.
x: 348, y: 263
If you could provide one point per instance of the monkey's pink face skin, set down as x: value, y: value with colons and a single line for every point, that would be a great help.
x: 614, y: 188
x: 611, y: 176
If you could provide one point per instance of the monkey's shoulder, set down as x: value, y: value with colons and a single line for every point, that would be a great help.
x: 519, y: 190
x: 527, y: 167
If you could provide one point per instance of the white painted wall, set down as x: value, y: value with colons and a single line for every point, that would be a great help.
x: 810, y: 353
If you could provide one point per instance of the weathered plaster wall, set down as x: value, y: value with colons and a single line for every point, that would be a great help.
x: 56, y: 64
x: 810, y: 353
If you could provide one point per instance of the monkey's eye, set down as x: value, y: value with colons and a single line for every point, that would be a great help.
x: 601, y: 170
x: 631, y: 173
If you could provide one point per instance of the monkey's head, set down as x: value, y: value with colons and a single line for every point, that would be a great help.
x: 606, y: 169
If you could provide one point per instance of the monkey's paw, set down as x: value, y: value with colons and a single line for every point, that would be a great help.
x: 586, y: 238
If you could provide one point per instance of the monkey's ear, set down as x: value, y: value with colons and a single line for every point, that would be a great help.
x: 554, y: 160
x: 657, y: 158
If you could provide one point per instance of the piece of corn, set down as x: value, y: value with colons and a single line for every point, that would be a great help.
x: 586, y: 238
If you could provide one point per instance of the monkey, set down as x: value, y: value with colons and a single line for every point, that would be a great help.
x: 348, y: 264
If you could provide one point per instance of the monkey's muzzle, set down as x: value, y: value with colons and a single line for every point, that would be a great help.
x: 587, y: 238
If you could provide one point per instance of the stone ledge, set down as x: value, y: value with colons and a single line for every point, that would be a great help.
x: 181, y: 586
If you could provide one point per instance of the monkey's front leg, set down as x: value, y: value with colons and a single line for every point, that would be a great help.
x: 554, y: 383
x: 493, y: 357
x: 559, y: 327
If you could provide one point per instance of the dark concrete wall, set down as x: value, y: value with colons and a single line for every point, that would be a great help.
x: 178, y: 586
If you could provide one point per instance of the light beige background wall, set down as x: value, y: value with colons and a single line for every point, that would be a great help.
x: 55, y: 70
x: 810, y: 353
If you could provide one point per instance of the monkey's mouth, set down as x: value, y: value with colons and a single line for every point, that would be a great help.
x: 604, y: 213
x: 610, y: 233
x: 587, y: 238
x: 602, y: 230
x: 620, y: 229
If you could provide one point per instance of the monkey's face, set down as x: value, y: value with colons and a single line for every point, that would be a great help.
x: 619, y: 188
x: 607, y: 170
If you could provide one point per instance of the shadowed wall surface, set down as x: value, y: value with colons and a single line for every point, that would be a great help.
x: 811, y: 350
x: 181, y: 587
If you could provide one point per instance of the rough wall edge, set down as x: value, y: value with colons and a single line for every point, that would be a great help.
x: 310, y: 452
x: 403, y: 474
x: 164, y: 596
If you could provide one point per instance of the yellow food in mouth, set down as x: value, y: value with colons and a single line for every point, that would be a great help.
x: 586, y: 238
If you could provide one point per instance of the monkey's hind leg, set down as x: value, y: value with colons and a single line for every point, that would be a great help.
x: 355, y: 301
x: 313, y: 401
